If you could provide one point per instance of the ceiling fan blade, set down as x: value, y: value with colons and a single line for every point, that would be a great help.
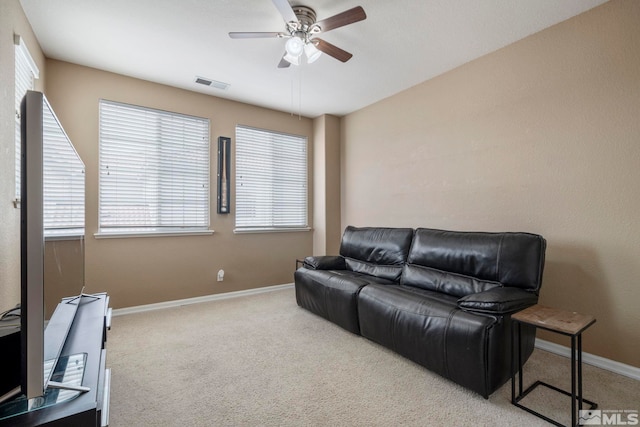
x: 340, y: 20
x: 283, y: 62
x: 332, y: 50
x: 285, y: 10
x: 254, y: 35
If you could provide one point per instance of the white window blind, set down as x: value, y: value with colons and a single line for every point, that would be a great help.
x: 26, y: 72
x: 271, y: 180
x: 63, y: 180
x: 154, y: 170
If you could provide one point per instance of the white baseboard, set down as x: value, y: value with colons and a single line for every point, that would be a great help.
x: 591, y: 359
x: 195, y: 300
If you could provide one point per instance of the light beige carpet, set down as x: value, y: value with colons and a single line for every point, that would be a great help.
x: 261, y: 360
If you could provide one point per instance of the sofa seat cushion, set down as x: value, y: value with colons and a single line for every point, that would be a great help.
x: 429, y: 328
x: 332, y: 294
x: 454, y: 284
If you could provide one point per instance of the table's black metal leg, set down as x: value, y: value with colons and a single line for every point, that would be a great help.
x: 579, y: 372
x: 515, y: 352
x: 573, y: 380
x: 513, y: 362
x: 519, y: 359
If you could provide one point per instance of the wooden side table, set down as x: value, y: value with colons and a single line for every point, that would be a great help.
x: 563, y: 322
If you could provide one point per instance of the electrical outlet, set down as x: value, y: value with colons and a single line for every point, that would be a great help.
x: 220, y: 275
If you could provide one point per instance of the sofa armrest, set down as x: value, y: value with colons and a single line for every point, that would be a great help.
x: 325, y: 262
x: 498, y: 301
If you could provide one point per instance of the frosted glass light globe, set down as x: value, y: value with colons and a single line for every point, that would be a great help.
x: 294, y: 46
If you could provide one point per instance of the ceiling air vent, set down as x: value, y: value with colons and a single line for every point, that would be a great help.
x: 212, y: 83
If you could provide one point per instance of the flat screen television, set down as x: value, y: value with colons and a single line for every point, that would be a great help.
x: 52, y: 210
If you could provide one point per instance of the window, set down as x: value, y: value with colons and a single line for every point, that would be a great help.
x: 271, y: 180
x: 63, y: 180
x: 154, y: 170
x: 26, y: 71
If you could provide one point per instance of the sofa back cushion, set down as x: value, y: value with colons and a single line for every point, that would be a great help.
x: 376, y: 251
x: 443, y: 281
x: 512, y: 259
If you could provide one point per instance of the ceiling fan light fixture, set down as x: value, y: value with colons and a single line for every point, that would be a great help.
x: 312, y: 52
x: 293, y: 60
x: 294, y: 47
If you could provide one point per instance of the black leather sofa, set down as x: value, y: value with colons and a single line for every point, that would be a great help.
x: 440, y: 298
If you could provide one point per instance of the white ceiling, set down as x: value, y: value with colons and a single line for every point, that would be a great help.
x: 400, y: 44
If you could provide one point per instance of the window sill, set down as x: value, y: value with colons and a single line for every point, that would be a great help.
x: 270, y: 230
x: 130, y: 234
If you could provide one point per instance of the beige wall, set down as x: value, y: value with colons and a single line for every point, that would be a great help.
x: 146, y: 270
x: 12, y: 21
x: 540, y: 136
x: 327, y: 229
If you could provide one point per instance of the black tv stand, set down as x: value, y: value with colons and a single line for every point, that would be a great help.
x: 79, y: 393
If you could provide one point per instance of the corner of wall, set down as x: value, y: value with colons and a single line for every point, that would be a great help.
x: 326, y: 180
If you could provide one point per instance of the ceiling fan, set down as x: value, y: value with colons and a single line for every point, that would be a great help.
x: 302, y: 31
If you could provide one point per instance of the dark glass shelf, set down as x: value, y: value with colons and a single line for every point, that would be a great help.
x: 69, y: 372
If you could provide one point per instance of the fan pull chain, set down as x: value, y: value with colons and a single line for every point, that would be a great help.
x: 299, y: 93
x: 298, y: 71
